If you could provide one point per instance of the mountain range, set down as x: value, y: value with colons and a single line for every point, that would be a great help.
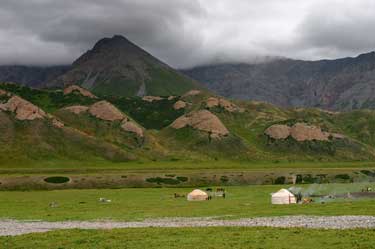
x: 116, y: 66
x: 342, y: 84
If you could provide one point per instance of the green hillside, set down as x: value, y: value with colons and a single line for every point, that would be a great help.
x: 224, y: 131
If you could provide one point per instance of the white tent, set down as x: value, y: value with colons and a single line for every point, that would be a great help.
x: 197, y: 195
x: 283, y: 196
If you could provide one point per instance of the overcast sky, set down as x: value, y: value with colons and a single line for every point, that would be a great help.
x: 186, y: 33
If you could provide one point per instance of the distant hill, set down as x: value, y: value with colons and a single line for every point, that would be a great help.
x: 116, y: 66
x: 342, y: 84
x: 58, y: 126
x: 33, y: 76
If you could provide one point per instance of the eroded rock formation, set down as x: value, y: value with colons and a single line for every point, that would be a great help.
x: 202, y: 120
x: 80, y: 90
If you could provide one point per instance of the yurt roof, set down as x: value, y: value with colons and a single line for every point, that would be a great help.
x: 197, y: 192
x: 282, y: 192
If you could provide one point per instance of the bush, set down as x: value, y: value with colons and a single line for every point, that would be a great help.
x: 57, y: 179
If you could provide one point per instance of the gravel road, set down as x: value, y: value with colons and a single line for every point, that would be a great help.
x: 14, y: 227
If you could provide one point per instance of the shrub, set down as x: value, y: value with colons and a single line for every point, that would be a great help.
x: 57, y: 179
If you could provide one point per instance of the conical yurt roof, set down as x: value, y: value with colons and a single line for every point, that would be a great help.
x: 196, y: 192
x: 282, y: 192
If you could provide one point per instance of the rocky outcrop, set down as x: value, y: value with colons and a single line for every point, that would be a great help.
x: 57, y: 123
x: 278, y: 131
x: 130, y: 126
x: 80, y: 90
x: 179, y: 105
x: 223, y: 103
x: 191, y: 93
x: 151, y: 98
x: 106, y: 111
x: 300, y: 132
x: 76, y: 109
x: 171, y: 97
x: 23, y: 109
x: 2, y: 92
x: 202, y: 120
x: 303, y: 132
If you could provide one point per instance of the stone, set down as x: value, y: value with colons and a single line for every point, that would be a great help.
x: 106, y: 111
x: 82, y: 91
x: 303, y: 132
x: 179, y: 105
x: 278, y: 131
x: 151, y: 98
x: 202, y: 120
x: 23, y: 109
x: 191, y: 93
x: 130, y: 126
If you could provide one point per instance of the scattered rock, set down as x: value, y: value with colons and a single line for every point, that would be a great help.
x: 179, y: 105
x: 151, y: 98
x: 82, y: 91
x: 278, y: 131
x: 57, y: 123
x: 2, y: 92
x: 23, y: 109
x: 303, y: 132
x: 338, y: 136
x: 106, y: 111
x: 202, y: 120
x: 191, y: 93
x: 77, y: 109
x: 132, y: 127
x: 300, y: 132
x: 223, y: 103
x: 171, y: 97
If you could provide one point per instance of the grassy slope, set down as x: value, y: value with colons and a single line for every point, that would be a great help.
x: 246, y: 143
x: 187, y: 238
x: 139, y: 204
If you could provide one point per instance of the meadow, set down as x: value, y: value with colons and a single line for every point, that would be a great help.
x: 132, y: 204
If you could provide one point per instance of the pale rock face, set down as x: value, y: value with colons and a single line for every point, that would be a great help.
x: 23, y: 109
x: 223, y: 103
x: 57, y: 123
x: 202, y: 120
x: 130, y: 126
x: 151, y: 98
x: 303, y: 132
x: 171, y: 97
x: 2, y: 92
x: 300, y: 132
x: 77, y: 109
x: 106, y: 111
x: 82, y: 91
x: 179, y: 105
x: 278, y: 131
x: 192, y: 93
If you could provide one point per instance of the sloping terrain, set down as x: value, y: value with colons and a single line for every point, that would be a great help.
x: 342, y: 84
x: 75, y: 124
x: 115, y: 66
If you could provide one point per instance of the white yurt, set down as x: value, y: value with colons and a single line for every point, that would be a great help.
x: 197, y: 195
x: 283, y: 196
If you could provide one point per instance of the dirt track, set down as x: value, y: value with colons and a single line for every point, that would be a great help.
x: 13, y: 227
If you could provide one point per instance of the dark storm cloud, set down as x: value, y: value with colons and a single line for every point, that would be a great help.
x: 186, y: 32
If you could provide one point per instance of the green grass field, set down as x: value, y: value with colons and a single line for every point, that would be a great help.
x: 223, y: 237
x: 143, y: 203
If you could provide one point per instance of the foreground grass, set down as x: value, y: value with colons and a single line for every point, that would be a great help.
x: 221, y: 237
x: 143, y: 203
